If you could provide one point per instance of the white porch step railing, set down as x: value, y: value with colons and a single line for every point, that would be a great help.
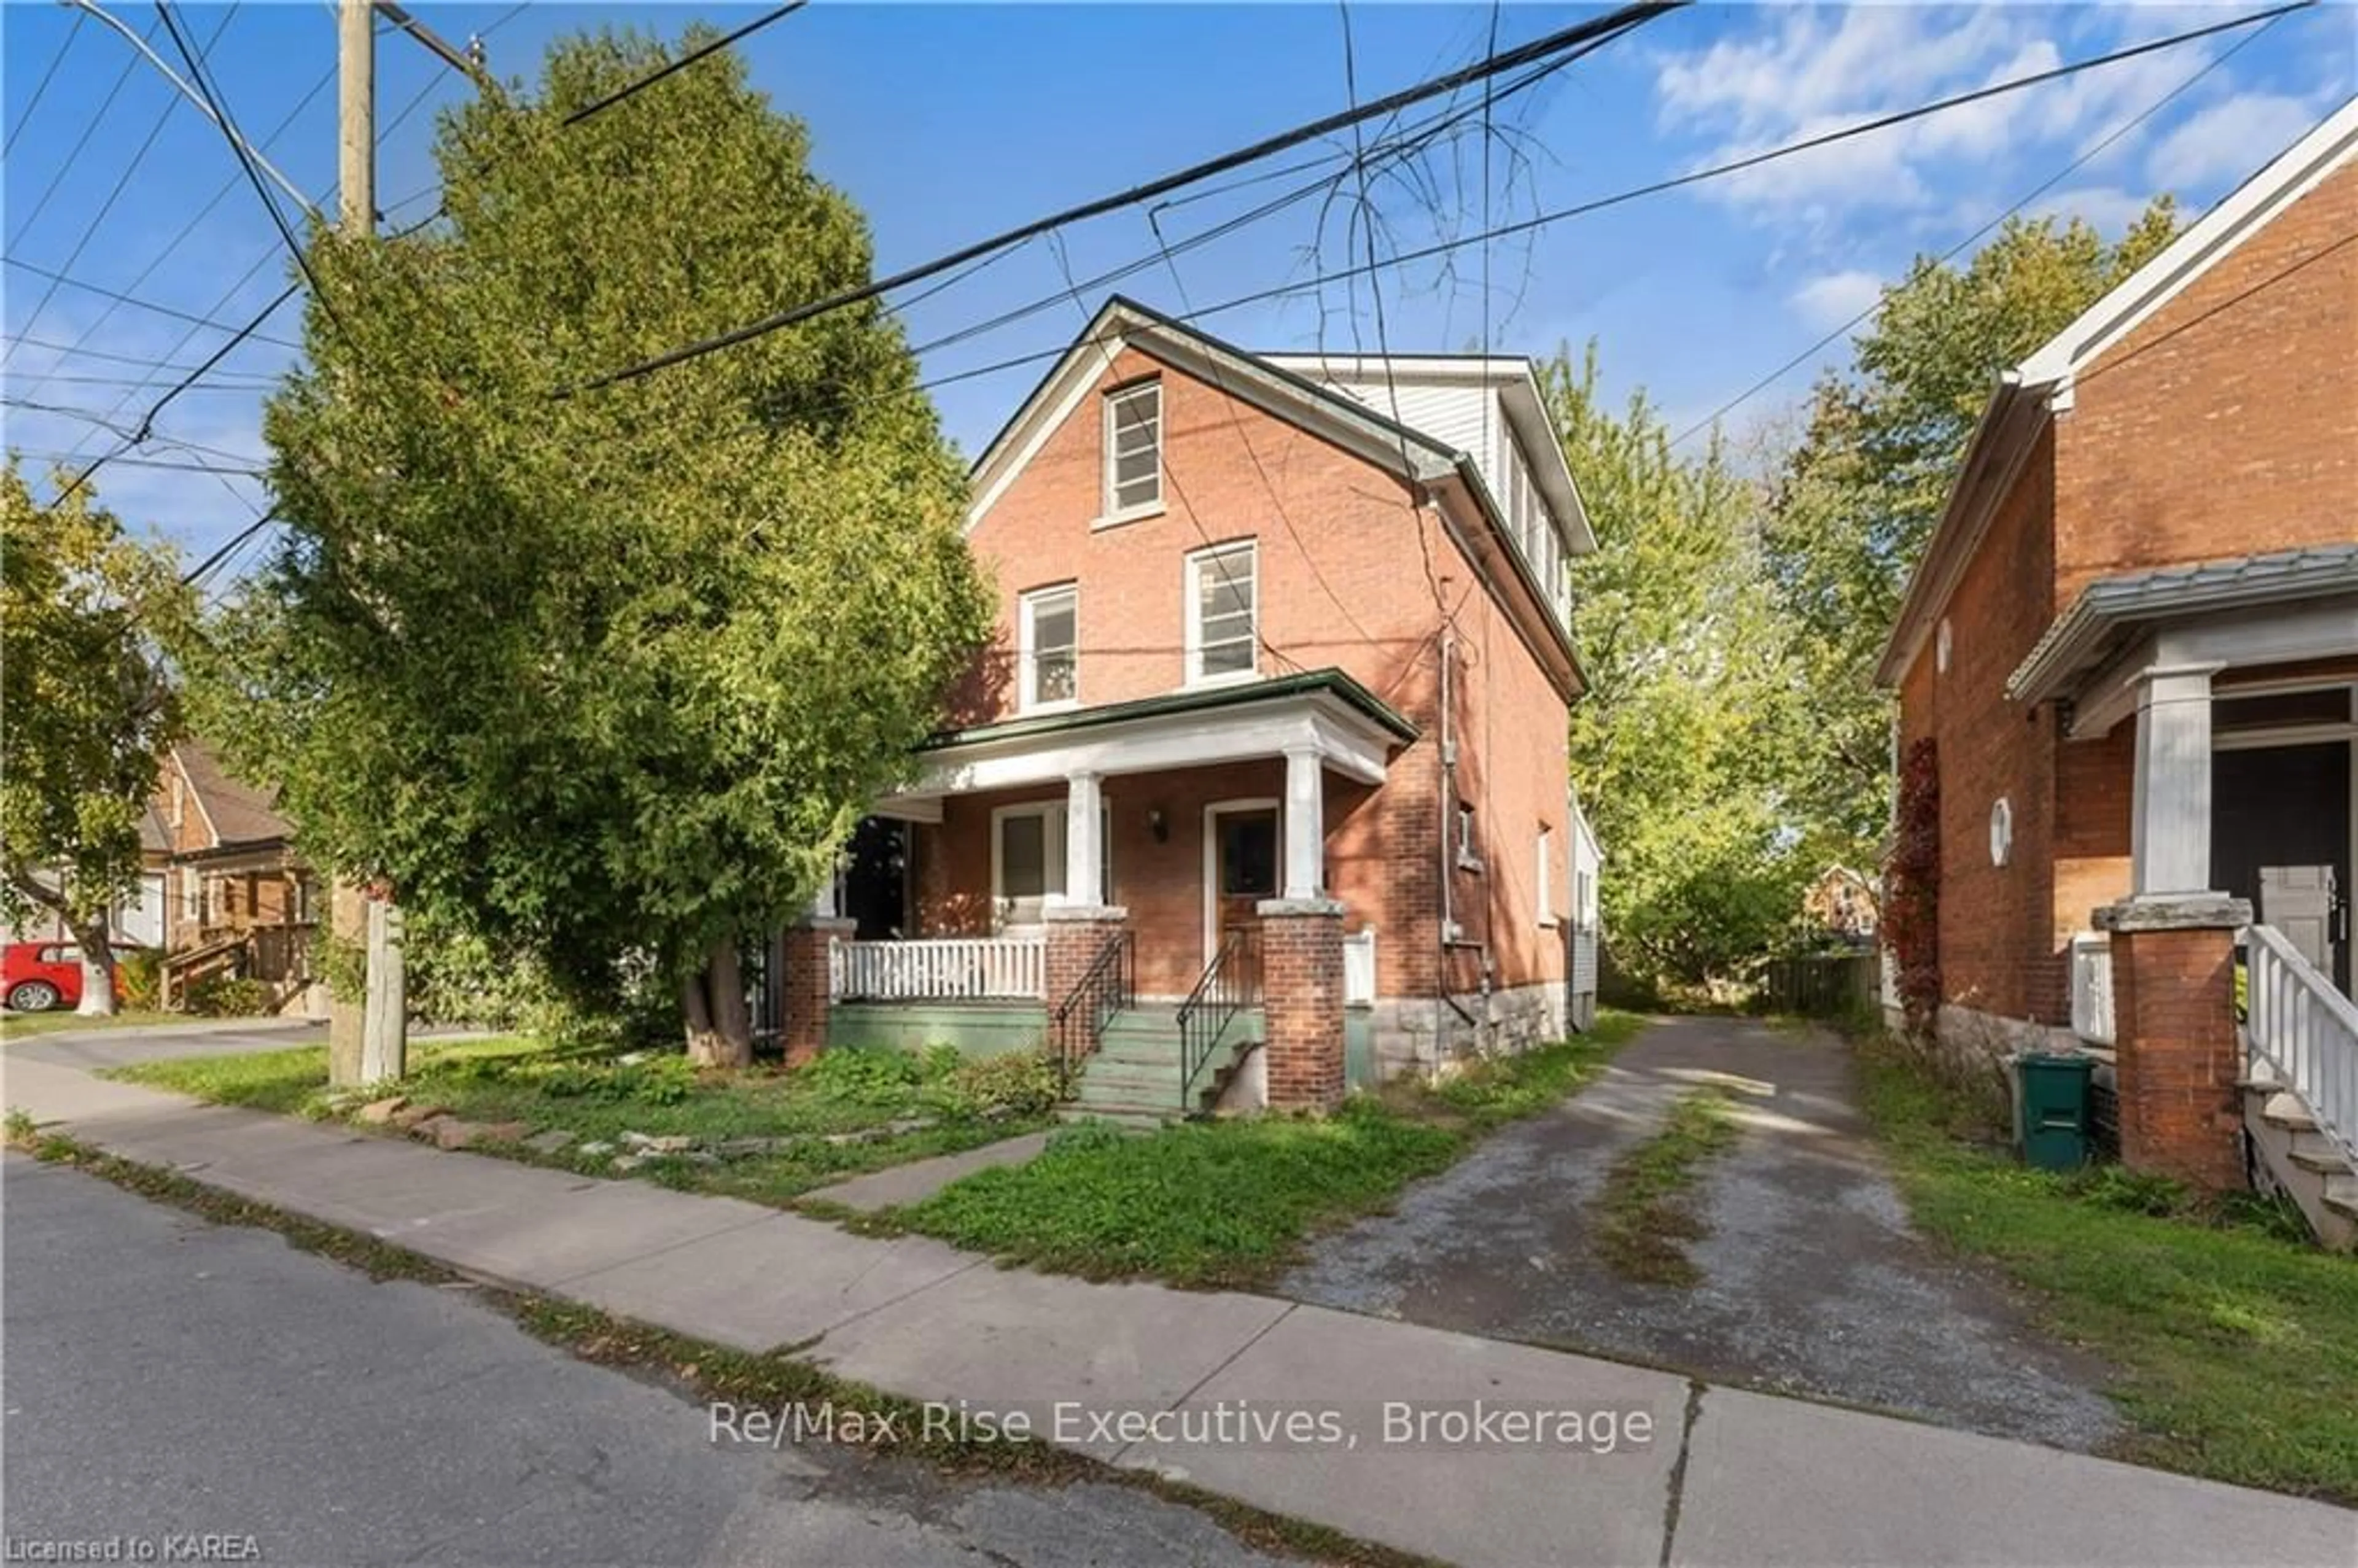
x: 1359, y: 970
x: 950, y: 969
x: 2092, y: 987
x: 2306, y: 1031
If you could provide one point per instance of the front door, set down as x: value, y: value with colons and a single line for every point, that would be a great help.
x: 1244, y: 869
x: 2286, y: 808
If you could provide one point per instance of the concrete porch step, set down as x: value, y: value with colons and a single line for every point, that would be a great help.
x: 2312, y: 1151
x: 2286, y: 1110
x: 2342, y: 1194
x: 1137, y: 1117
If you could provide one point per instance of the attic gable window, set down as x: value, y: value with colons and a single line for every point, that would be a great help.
x: 1133, y: 449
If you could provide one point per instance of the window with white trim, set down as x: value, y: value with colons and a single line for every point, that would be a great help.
x: 1223, y: 612
x: 1545, y: 881
x: 1133, y: 449
x: 1048, y: 642
x: 192, y: 898
x: 1027, y: 859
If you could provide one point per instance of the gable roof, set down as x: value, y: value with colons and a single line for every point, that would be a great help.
x: 1416, y: 456
x: 2042, y: 385
x: 1123, y: 323
x: 237, y: 813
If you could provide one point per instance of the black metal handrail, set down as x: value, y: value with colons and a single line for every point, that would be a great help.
x: 1109, y: 984
x: 1230, y: 983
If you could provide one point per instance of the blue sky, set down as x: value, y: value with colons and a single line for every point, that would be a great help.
x: 947, y: 123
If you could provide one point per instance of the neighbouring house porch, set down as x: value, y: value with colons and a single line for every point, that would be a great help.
x: 2222, y: 702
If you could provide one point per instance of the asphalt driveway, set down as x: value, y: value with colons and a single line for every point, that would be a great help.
x: 1812, y: 1280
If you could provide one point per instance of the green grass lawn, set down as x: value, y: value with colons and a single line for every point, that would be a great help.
x: 1228, y: 1204
x: 25, y: 1025
x: 599, y: 1097
x: 2236, y: 1340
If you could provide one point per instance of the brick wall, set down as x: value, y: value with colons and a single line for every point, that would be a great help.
x: 1999, y: 952
x: 2227, y: 422
x: 2173, y: 999
x: 1301, y: 996
x: 1343, y: 582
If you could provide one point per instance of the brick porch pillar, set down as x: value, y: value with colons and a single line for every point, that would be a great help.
x: 1301, y: 996
x: 2177, y: 1056
x: 1076, y: 932
x: 806, y: 990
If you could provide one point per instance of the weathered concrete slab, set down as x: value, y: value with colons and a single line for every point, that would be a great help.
x: 1056, y: 1349
x: 1400, y: 1460
x: 776, y: 1282
x: 921, y: 1179
x: 1771, y: 1482
x: 49, y: 1092
x: 535, y: 1238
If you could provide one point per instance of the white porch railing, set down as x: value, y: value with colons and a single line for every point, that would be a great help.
x: 1359, y: 970
x: 2092, y: 987
x: 2298, y: 1023
x: 952, y: 968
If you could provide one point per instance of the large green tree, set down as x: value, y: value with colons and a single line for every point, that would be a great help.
x: 89, y: 706
x: 1682, y: 747
x: 1857, y: 497
x: 603, y: 676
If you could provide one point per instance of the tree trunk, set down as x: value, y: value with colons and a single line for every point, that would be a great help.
x: 97, y: 944
x: 712, y: 1001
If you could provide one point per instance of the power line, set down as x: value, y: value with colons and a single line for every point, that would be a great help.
x: 1656, y: 188
x: 164, y: 118
x: 104, y: 293
x: 237, y: 147
x: 26, y: 117
x: 1617, y: 22
x: 74, y: 157
x: 2066, y: 172
x: 683, y: 61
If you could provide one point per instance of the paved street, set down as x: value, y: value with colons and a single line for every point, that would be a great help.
x: 167, y: 1376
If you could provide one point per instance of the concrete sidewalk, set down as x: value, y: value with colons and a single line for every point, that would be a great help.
x: 1187, y: 1383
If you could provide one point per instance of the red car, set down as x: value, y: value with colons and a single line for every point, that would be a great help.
x: 37, y: 976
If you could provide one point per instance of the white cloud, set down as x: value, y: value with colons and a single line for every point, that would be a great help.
x: 2228, y: 140
x: 1828, y: 302
x: 1783, y: 75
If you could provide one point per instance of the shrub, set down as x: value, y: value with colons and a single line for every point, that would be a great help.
x: 653, y: 1080
x: 223, y: 995
x: 1021, y: 1083
x: 139, y: 979
x: 876, y: 1076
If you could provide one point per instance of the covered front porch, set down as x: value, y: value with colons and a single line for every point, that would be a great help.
x: 1048, y: 873
x: 2219, y: 955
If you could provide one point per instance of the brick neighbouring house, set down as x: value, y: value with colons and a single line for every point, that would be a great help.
x: 1269, y: 750
x: 2132, y: 645
x: 237, y: 899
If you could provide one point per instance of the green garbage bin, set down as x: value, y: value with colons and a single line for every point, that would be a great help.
x: 2054, y: 1110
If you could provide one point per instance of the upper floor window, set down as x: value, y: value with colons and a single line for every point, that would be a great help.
x: 1048, y: 638
x: 1133, y: 448
x: 1223, y: 612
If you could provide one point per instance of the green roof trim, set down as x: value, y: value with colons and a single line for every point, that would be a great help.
x: 1205, y: 700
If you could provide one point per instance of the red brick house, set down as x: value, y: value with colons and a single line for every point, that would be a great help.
x: 237, y: 899
x: 2126, y: 667
x: 1270, y: 751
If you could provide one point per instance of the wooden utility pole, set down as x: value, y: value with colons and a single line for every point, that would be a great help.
x: 360, y: 1048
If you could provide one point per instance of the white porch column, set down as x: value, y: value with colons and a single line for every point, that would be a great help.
x: 1305, y: 824
x: 2171, y: 831
x: 1083, y: 855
